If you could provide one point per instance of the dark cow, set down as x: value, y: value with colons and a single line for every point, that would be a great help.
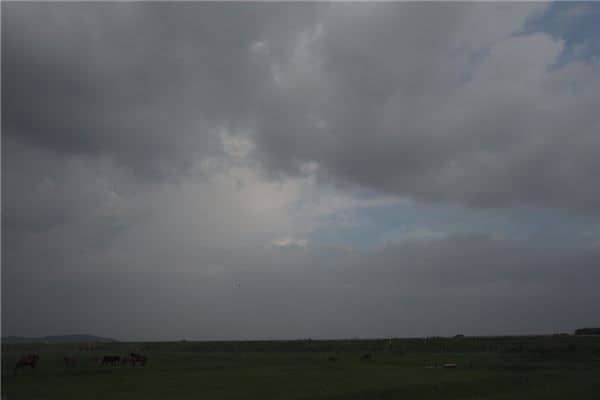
x: 70, y: 361
x: 366, y: 357
x: 138, y: 358
x: 127, y: 360
x: 28, y: 360
x: 111, y: 360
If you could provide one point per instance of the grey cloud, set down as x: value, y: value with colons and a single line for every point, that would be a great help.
x: 435, y: 102
x: 410, y: 104
x: 108, y: 108
x: 102, y: 100
x: 469, y: 284
x: 43, y: 190
x: 412, y: 99
x: 143, y: 84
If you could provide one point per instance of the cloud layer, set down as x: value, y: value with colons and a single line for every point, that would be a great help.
x: 438, y: 114
x: 168, y: 170
x: 463, y: 283
x: 462, y: 111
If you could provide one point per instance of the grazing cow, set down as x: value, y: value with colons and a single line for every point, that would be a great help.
x: 28, y: 360
x: 70, y: 361
x: 112, y: 360
x: 138, y: 358
x: 127, y: 360
x: 332, y: 358
x: 366, y: 357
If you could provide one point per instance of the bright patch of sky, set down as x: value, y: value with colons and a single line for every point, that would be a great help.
x: 374, y: 226
x: 577, y: 23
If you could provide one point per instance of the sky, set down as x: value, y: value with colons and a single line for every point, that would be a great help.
x: 230, y: 171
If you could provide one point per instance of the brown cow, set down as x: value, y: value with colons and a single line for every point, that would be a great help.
x: 112, y: 360
x: 127, y: 360
x: 28, y: 360
x: 139, y: 358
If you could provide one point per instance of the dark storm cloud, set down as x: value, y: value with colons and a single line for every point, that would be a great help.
x: 402, y: 100
x: 95, y: 93
x: 111, y: 110
x: 43, y: 190
x: 434, y: 101
x: 141, y: 83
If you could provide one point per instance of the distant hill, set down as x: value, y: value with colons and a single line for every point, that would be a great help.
x: 55, y: 339
x: 588, y: 331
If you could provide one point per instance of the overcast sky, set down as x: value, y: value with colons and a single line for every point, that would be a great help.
x: 277, y: 170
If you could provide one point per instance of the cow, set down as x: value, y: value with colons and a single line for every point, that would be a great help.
x: 366, y: 357
x: 112, y: 360
x: 138, y: 358
x: 28, y: 360
x: 127, y: 360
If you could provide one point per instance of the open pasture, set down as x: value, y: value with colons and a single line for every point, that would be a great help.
x: 543, y: 367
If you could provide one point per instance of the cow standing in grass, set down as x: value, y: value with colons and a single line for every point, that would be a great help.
x: 139, y: 358
x: 111, y: 360
x: 127, y: 360
x: 28, y: 360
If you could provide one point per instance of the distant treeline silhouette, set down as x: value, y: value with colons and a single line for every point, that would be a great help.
x: 588, y: 331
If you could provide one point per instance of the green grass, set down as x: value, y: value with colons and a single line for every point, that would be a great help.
x: 545, y: 367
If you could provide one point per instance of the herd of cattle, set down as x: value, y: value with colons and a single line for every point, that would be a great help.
x: 133, y: 359
x: 30, y: 360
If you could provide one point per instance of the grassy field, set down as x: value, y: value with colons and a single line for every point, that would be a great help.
x: 544, y: 367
